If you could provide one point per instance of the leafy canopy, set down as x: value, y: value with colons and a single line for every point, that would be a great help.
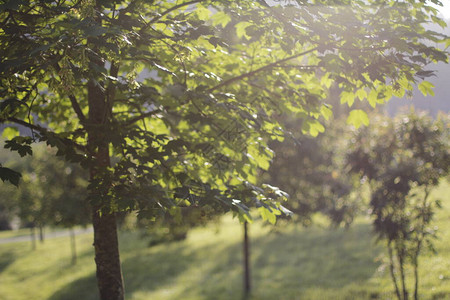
x: 193, y: 88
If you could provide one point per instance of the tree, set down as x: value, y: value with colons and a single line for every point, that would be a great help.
x: 174, y: 227
x: 312, y: 171
x: 52, y: 191
x: 64, y: 193
x: 8, y: 207
x: 172, y: 103
x: 402, y: 160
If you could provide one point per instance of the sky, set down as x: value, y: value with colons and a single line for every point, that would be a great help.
x: 445, y: 10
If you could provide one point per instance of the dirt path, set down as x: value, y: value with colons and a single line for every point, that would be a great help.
x: 49, y: 235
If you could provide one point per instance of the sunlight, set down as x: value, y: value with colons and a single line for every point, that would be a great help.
x: 445, y: 9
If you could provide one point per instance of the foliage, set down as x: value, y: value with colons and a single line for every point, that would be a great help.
x: 174, y: 227
x: 403, y: 160
x: 52, y: 192
x: 311, y: 171
x: 186, y: 132
x: 172, y: 104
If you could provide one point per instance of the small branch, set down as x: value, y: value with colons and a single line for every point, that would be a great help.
x: 262, y: 69
x: 291, y: 28
x: 76, y: 107
x: 305, y: 67
x: 111, y: 90
x: 44, y: 131
x: 169, y: 11
x: 28, y: 125
x: 141, y: 117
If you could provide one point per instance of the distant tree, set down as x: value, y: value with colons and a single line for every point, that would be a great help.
x: 8, y: 207
x: 195, y: 129
x: 402, y: 160
x: 311, y: 169
x: 52, y: 192
x: 174, y: 227
x: 65, y: 195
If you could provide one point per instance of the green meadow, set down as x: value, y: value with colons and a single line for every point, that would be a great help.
x: 289, y: 262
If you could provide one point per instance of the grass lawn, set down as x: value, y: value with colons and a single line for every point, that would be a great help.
x: 293, y: 263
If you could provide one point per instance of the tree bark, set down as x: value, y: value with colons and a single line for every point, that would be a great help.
x: 391, y: 269
x: 401, y: 262
x: 247, y: 281
x: 416, y: 278
x: 41, y: 233
x: 107, y: 259
x: 33, y: 238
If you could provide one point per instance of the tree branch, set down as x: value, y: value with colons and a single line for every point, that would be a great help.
x: 262, y: 69
x: 44, y: 131
x: 76, y: 107
x: 111, y: 90
x: 141, y: 117
x: 170, y: 10
x: 28, y: 125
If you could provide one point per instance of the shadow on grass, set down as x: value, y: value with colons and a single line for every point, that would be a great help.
x: 144, y: 269
x: 149, y: 269
x: 6, y: 259
x: 293, y: 262
x: 84, y: 288
x: 317, y: 257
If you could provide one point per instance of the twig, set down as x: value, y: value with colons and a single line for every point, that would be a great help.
x: 262, y: 69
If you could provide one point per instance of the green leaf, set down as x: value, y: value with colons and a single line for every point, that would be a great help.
x: 347, y: 97
x: 221, y: 18
x: 326, y: 112
x: 10, y: 132
x: 372, y: 98
x: 240, y: 29
x: 447, y: 43
x: 426, y: 88
x: 357, y: 118
x: 313, y: 127
x: 263, y: 161
x: 439, y: 21
x: 20, y: 144
x: 12, y: 176
x: 361, y: 94
x: 95, y: 30
x: 267, y: 215
x: 202, y: 12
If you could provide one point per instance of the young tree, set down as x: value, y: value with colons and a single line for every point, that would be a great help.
x: 312, y: 171
x: 52, y: 192
x: 172, y: 103
x: 403, y: 159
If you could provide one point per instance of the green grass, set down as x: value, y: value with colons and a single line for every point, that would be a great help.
x: 14, y: 233
x: 291, y: 263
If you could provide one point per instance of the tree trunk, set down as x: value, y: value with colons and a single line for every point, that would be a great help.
x: 109, y: 274
x: 416, y: 279
x: 247, y: 281
x: 73, y: 246
x: 419, y: 246
x: 401, y: 262
x: 33, y: 238
x: 107, y: 259
x: 41, y: 233
x: 391, y: 269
